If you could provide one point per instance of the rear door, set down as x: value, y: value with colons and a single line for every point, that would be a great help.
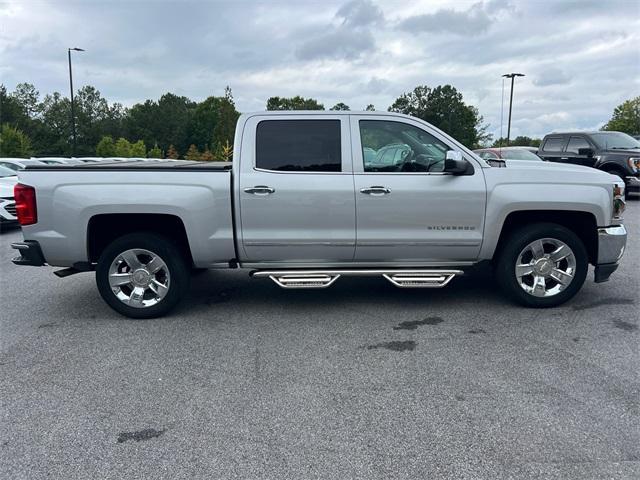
x: 296, y: 193
x: 408, y: 210
x: 552, y: 149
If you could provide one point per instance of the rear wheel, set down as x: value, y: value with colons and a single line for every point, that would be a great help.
x: 542, y: 265
x: 142, y: 275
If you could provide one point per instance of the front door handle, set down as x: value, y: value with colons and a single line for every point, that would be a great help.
x: 375, y: 190
x: 260, y: 190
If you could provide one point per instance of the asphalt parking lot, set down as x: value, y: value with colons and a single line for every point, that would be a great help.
x: 361, y: 380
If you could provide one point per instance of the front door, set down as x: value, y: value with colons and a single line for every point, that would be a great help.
x: 408, y: 210
x: 572, y: 151
x: 296, y: 190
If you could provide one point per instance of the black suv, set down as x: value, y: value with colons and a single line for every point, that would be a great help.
x: 614, y: 152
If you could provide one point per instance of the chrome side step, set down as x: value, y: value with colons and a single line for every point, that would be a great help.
x: 406, y: 278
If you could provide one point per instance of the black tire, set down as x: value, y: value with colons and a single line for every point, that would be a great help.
x: 517, y: 241
x: 170, y: 254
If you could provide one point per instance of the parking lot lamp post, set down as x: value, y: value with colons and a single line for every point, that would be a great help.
x: 73, y: 115
x: 512, y: 76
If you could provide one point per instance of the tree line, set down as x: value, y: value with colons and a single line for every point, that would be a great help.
x: 175, y: 126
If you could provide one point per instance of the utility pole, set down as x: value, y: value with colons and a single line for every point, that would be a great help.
x: 73, y: 113
x: 512, y: 76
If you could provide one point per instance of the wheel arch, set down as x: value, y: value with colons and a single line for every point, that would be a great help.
x: 583, y: 224
x: 103, y: 229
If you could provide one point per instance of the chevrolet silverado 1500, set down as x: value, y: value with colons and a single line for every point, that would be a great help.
x: 313, y: 196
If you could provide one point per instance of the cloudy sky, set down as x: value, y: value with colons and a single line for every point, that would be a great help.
x: 581, y: 58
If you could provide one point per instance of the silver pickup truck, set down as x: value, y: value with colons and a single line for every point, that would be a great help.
x: 313, y: 196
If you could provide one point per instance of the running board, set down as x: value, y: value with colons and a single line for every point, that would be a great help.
x: 407, y: 278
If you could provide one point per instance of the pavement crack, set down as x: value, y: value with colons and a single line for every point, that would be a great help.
x: 140, y: 435
x: 395, y: 346
x: 414, y: 324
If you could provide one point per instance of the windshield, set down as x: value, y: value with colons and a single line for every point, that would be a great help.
x: 6, y: 172
x: 615, y: 141
x: 519, y: 154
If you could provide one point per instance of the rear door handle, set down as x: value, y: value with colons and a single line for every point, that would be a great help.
x: 375, y: 190
x: 260, y: 190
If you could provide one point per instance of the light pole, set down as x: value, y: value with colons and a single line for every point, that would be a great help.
x: 512, y: 76
x: 73, y: 114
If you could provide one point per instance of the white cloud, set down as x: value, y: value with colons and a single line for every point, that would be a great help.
x: 581, y: 58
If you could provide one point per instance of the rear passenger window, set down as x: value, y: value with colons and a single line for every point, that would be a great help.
x: 553, y: 144
x: 299, y: 145
x: 576, y: 143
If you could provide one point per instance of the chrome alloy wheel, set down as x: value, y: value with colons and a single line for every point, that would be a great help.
x: 545, y: 267
x: 139, y: 278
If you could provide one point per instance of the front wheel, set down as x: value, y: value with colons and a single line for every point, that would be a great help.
x: 142, y: 275
x: 542, y: 265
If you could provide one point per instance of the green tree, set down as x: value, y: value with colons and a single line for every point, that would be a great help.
x: 370, y: 108
x: 123, y: 148
x: 139, y: 149
x: 626, y: 118
x: 519, y: 141
x: 56, y: 137
x: 340, y: 106
x: 293, y: 103
x: 225, y: 128
x: 444, y: 108
x: 155, y: 152
x: 207, y: 156
x: 106, y: 147
x: 14, y: 143
x: 165, y: 122
x: 193, y: 153
x: 172, y: 152
x: 224, y: 152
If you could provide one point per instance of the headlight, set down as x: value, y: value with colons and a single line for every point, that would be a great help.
x: 618, y: 202
x: 634, y: 164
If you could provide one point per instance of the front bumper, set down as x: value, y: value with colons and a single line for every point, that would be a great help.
x: 8, y: 211
x: 611, y: 244
x: 30, y: 253
x: 632, y: 184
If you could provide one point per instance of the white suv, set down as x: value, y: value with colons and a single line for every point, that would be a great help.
x: 8, y: 179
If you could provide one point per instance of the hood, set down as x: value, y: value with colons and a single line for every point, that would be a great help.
x: 6, y: 186
x: 557, y: 172
x: 631, y: 152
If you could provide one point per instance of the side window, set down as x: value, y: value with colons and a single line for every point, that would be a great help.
x: 553, y: 144
x: 399, y: 147
x: 575, y: 143
x: 12, y: 166
x: 299, y: 145
x: 488, y: 156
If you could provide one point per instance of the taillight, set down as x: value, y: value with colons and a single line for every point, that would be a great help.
x: 25, y: 197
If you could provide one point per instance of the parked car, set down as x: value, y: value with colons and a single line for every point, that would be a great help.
x: 300, y: 205
x: 16, y: 164
x: 57, y: 160
x: 8, y: 180
x: 508, y: 153
x: 614, y: 152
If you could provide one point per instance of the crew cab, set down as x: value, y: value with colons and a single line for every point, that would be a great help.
x: 313, y: 196
x: 613, y: 152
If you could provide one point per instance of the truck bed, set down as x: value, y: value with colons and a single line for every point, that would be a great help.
x: 73, y: 198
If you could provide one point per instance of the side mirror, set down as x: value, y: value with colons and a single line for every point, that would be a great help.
x: 585, y: 152
x: 454, y: 163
